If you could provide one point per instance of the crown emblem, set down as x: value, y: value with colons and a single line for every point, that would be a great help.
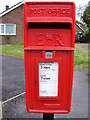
x: 49, y: 36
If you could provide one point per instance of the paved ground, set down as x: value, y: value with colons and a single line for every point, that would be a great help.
x: 13, y: 84
x: 82, y: 46
x: 12, y: 76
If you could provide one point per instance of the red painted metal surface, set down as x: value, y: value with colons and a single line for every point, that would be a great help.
x: 49, y: 26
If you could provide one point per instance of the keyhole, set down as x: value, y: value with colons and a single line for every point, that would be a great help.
x: 35, y: 82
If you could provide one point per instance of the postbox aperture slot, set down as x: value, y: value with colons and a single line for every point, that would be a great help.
x: 48, y: 25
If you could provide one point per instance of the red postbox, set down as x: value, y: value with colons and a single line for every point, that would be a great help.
x: 49, y: 36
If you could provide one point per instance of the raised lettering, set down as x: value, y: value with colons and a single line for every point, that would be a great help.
x: 40, y: 39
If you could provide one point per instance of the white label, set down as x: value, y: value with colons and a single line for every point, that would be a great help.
x: 48, y: 79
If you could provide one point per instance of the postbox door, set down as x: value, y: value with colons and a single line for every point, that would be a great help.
x: 44, y: 101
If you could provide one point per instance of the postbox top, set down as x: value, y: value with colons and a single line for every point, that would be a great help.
x: 50, y: 2
x: 49, y: 25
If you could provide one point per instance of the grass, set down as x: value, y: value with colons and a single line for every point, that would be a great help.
x: 80, y: 55
x: 13, y: 50
x: 80, y: 58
